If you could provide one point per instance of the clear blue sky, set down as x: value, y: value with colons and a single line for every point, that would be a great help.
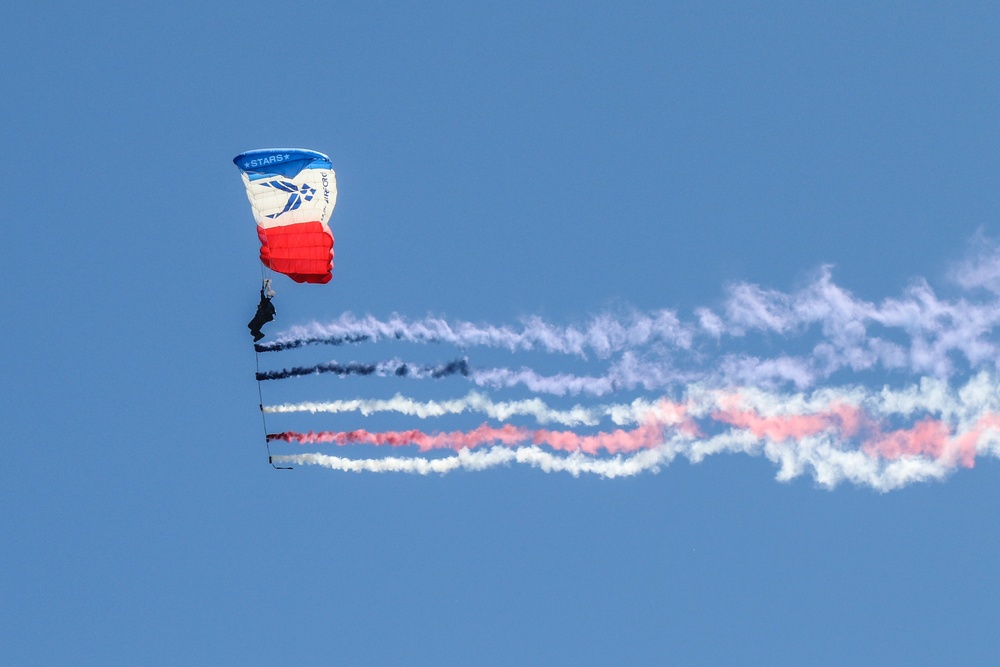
x: 494, y: 161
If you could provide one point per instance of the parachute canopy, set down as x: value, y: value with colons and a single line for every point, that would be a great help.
x: 292, y: 192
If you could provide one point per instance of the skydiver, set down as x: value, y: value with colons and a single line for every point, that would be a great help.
x: 265, y: 312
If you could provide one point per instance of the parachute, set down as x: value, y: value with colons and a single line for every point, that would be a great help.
x: 292, y: 192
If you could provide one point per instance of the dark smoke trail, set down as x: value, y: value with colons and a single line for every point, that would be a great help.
x: 278, y: 346
x: 333, y: 367
x: 394, y: 367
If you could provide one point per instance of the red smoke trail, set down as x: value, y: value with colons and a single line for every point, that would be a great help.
x: 505, y: 435
x: 928, y: 437
x: 647, y: 436
x: 846, y: 419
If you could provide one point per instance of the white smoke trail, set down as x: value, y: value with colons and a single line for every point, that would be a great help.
x: 824, y: 460
x: 579, y: 415
x: 627, y: 373
x: 576, y: 464
x: 602, y: 336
